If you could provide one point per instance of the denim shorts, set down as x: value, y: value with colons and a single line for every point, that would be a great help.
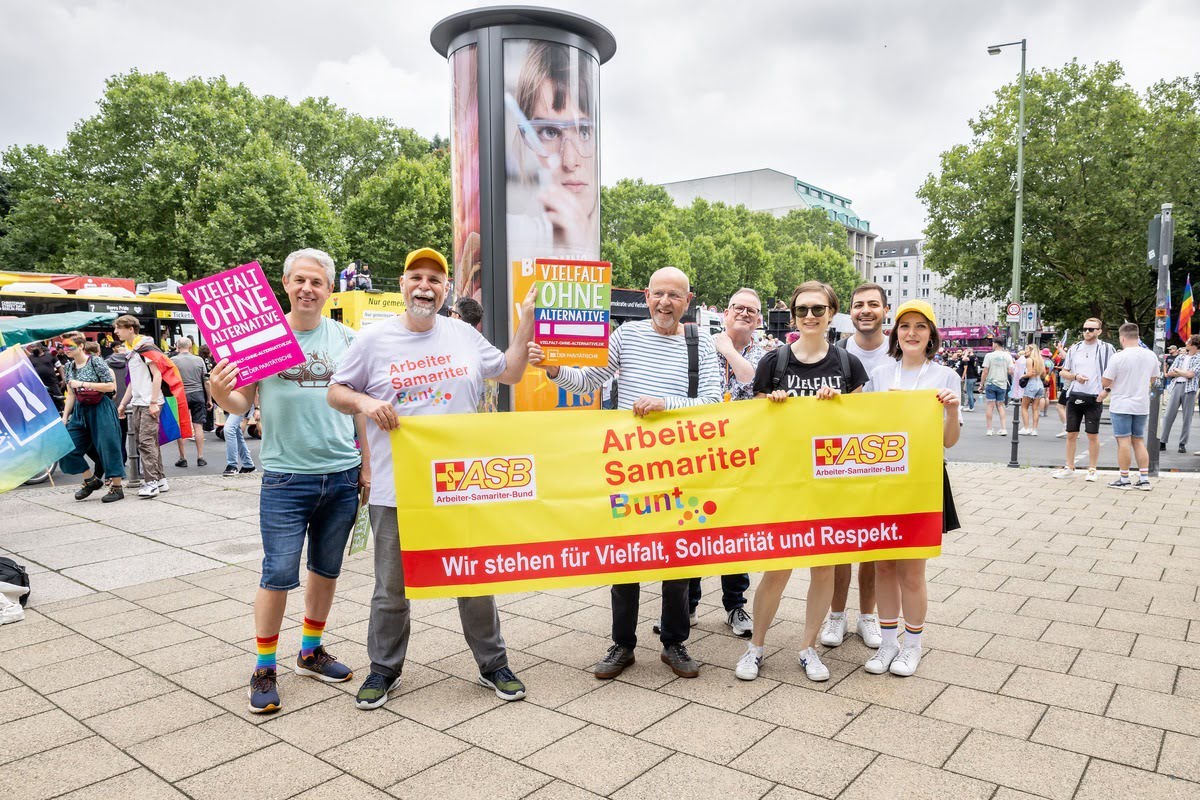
x: 1034, y: 389
x: 994, y: 392
x: 292, y: 506
x: 1128, y: 425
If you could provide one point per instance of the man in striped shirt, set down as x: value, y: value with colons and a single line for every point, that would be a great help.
x: 652, y: 356
x: 1184, y: 375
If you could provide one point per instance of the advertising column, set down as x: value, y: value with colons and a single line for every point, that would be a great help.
x: 525, y: 163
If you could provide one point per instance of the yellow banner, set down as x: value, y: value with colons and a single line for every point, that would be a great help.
x: 488, y: 505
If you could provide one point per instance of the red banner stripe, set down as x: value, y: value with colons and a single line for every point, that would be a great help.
x: 515, y: 562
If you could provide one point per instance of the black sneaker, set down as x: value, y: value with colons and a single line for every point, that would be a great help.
x: 244, y: 470
x: 1142, y: 484
x: 1182, y: 449
x: 614, y: 662
x: 115, y: 493
x: 374, y: 691
x: 90, y: 485
x: 507, y: 685
x: 1162, y: 446
x: 264, y: 694
x: 231, y: 470
x: 323, y: 667
x: 200, y: 462
x: 181, y: 462
x: 676, y: 657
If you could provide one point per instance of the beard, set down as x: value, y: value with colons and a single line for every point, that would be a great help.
x: 421, y: 312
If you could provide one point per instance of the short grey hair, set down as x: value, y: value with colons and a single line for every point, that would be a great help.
x: 181, y: 341
x: 745, y: 290
x: 319, y: 256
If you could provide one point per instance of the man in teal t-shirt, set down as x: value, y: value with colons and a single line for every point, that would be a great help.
x: 312, y: 473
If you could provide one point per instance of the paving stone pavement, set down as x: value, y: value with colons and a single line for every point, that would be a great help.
x: 1062, y: 661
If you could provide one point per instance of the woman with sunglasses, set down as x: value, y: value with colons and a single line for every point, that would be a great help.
x: 91, y: 418
x: 900, y: 585
x: 813, y: 369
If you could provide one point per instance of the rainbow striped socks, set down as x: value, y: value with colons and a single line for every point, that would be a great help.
x: 266, y: 651
x: 310, y: 636
x: 888, y: 629
x: 912, y: 635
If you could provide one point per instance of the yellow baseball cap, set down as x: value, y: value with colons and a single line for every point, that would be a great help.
x: 919, y: 306
x: 429, y: 253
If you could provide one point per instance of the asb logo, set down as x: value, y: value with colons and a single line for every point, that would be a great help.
x: 860, y: 454
x: 484, y: 480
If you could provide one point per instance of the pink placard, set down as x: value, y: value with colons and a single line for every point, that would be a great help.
x: 242, y: 322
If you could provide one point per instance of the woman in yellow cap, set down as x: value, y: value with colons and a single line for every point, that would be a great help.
x: 900, y: 585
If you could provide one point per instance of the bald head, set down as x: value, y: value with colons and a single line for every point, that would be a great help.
x: 674, y: 276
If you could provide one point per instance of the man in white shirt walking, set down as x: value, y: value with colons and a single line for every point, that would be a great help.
x: 1081, y: 373
x: 1128, y: 377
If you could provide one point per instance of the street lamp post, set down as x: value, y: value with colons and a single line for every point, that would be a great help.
x: 1015, y: 327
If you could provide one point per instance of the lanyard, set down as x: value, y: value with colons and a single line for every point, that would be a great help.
x: 921, y: 374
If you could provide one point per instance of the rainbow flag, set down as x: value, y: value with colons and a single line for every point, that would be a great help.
x: 174, y: 421
x: 32, y: 435
x: 1186, y: 309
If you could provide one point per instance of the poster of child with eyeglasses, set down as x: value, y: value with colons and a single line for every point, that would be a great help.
x: 552, y: 161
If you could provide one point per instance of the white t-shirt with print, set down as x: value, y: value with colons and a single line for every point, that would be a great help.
x: 1131, y: 372
x: 933, y: 376
x: 871, y: 359
x: 439, y: 371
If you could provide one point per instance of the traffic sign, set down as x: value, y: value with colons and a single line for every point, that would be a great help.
x: 1013, y: 312
x: 1029, y: 318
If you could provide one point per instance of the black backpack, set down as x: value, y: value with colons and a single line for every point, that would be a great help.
x: 13, y: 573
x: 781, y: 359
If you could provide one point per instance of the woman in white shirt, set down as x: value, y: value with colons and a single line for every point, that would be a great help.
x: 900, y: 585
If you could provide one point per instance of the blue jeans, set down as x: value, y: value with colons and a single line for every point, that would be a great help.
x: 969, y: 391
x: 292, y: 506
x: 1124, y: 425
x: 236, y: 454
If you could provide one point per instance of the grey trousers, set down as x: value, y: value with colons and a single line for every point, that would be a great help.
x: 1175, y: 399
x: 390, y: 625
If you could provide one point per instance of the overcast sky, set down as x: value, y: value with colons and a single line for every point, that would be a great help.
x: 858, y: 98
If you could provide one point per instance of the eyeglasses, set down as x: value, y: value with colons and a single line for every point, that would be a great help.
x: 804, y: 311
x: 738, y: 308
x: 552, y: 135
x: 1090, y: 330
x: 659, y: 294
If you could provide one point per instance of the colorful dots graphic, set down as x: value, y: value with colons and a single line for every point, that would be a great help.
x: 710, y: 507
x: 687, y: 515
x: 693, y: 501
x: 702, y: 519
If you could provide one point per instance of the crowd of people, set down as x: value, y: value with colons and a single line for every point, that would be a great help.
x: 327, y: 448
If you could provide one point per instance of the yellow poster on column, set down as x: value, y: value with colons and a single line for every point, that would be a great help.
x: 486, y: 506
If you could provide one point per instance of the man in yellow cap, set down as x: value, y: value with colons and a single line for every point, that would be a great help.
x: 414, y: 364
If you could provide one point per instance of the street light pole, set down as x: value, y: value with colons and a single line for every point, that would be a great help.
x: 1014, y: 328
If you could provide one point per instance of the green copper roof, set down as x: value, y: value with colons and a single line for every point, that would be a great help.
x: 835, y: 205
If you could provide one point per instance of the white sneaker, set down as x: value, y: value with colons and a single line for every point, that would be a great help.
x: 813, y: 667
x: 740, y: 622
x: 1091, y: 476
x: 1063, y: 473
x: 833, y: 632
x: 1060, y: 435
x: 906, y: 663
x: 879, y: 663
x: 989, y: 432
x: 748, y: 665
x: 868, y: 630
x: 1033, y: 432
x: 162, y: 486
x: 10, y: 612
x: 149, y: 489
x: 1023, y: 432
x: 1142, y: 484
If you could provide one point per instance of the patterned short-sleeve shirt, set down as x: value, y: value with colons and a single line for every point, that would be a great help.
x: 736, y: 389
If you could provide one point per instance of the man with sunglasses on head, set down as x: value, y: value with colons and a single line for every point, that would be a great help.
x: 737, y: 358
x: 653, y: 356
x: 868, y: 310
x: 1082, y: 372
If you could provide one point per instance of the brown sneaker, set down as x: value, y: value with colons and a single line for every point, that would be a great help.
x: 614, y: 662
x: 676, y: 657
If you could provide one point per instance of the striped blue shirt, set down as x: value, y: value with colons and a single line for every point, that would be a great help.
x: 651, y: 365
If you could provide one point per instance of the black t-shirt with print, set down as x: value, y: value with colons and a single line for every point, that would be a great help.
x: 804, y: 380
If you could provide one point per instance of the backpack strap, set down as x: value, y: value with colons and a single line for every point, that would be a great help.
x: 691, y: 336
x: 781, y: 360
x: 843, y: 357
x: 842, y: 343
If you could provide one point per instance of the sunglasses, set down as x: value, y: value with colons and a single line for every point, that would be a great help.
x: 804, y: 311
x: 1090, y: 330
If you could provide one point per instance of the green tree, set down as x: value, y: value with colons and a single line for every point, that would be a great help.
x: 404, y: 207
x: 1099, y: 159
